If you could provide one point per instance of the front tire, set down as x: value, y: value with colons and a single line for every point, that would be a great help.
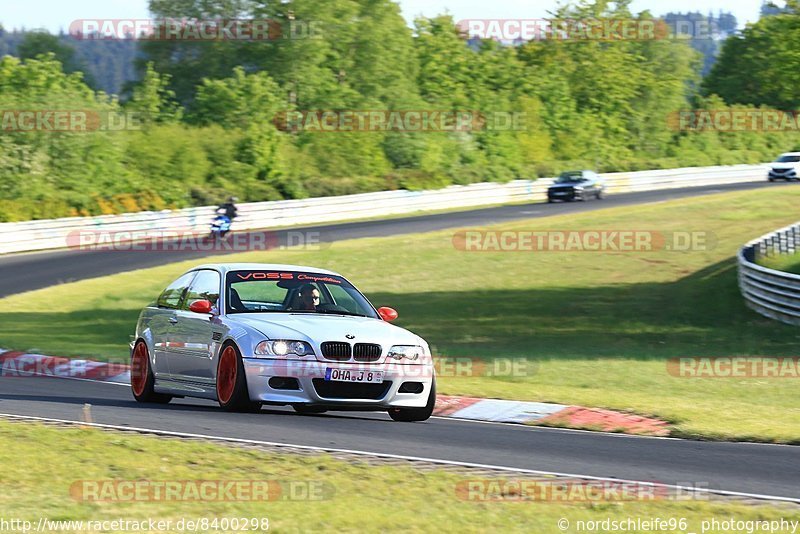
x: 411, y: 415
x: 232, y: 393
x: 142, y: 379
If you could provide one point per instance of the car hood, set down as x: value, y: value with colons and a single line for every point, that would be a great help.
x: 317, y: 328
x: 564, y: 186
x: 784, y: 166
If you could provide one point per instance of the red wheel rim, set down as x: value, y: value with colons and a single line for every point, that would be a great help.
x: 226, y: 375
x: 139, y: 369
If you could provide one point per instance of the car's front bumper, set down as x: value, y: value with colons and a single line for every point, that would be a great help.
x: 313, y: 389
x: 565, y: 194
x: 789, y: 175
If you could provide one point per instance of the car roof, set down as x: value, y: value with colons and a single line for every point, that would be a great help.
x: 226, y: 267
x: 790, y: 154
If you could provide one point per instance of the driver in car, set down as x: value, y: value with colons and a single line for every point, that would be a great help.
x: 309, y: 298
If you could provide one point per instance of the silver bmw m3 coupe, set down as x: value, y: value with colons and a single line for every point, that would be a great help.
x: 248, y: 335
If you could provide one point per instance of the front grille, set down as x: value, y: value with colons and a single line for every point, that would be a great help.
x: 336, y: 350
x: 346, y: 390
x: 562, y: 192
x: 366, y: 352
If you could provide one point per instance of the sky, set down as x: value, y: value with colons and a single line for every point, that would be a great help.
x: 57, y: 14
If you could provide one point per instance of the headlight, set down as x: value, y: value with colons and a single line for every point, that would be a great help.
x: 578, y: 188
x: 283, y: 347
x: 407, y: 352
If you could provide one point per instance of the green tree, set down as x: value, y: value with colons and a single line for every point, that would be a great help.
x: 238, y: 101
x: 39, y: 43
x: 761, y: 66
x: 153, y: 100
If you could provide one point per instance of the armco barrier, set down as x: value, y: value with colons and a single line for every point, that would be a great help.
x: 771, y: 293
x: 52, y: 234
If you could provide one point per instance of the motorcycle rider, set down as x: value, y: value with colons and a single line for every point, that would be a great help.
x: 226, y: 213
x: 229, y: 208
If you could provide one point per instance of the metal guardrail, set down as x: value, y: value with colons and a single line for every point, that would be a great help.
x: 774, y: 294
x: 61, y: 233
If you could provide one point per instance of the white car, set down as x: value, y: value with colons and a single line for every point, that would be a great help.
x: 786, y: 167
x: 247, y: 335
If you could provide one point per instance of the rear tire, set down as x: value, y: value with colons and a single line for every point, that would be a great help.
x: 142, y: 379
x: 231, y: 383
x: 411, y: 415
x: 599, y: 195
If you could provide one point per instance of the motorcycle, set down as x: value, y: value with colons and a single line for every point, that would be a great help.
x: 220, y: 226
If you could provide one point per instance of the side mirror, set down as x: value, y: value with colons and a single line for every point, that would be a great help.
x: 387, y: 314
x: 200, y: 306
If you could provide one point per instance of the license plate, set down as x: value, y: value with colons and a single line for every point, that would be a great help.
x: 350, y: 375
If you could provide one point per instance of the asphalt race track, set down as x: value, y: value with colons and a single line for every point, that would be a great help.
x: 25, y: 272
x: 740, y: 467
x: 737, y: 467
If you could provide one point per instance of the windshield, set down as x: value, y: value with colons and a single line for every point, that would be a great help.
x: 788, y: 159
x: 295, y: 292
x: 566, y: 177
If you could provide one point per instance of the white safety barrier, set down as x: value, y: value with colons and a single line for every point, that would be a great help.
x: 774, y: 294
x: 62, y: 233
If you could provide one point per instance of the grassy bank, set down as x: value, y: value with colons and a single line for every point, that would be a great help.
x: 789, y: 263
x: 42, y: 482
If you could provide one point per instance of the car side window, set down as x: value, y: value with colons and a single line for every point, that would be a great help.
x: 204, y: 287
x: 171, y: 297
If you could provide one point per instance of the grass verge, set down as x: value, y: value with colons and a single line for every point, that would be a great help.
x: 40, y: 483
x: 595, y: 328
x: 789, y: 263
